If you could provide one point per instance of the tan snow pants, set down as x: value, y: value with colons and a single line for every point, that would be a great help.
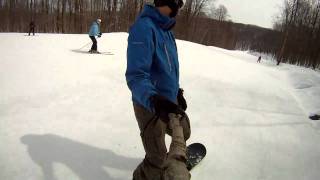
x: 155, y: 164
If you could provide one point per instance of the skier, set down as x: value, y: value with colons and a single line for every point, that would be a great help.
x: 259, y: 59
x: 95, y: 31
x: 153, y: 77
x: 31, y: 27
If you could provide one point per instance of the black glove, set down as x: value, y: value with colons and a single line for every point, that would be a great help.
x: 181, y: 100
x: 163, y: 107
x: 100, y: 34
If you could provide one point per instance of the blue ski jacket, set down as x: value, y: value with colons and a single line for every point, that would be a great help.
x: 152, y: 59
x: 94, y: 29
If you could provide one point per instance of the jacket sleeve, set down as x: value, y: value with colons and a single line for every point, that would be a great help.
x: 139, y: 60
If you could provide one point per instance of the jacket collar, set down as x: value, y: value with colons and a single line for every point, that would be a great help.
x: 165, y: 22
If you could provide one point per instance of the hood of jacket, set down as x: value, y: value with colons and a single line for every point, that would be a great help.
x: 164, y: 22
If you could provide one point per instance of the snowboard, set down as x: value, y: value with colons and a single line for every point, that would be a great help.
x: 195, y: 153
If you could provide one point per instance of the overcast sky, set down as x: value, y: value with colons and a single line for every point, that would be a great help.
x: 257, y: 12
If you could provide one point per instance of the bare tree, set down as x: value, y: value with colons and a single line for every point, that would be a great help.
x: 290, y: 13
x: 299, y: 24
x: 221, y: 13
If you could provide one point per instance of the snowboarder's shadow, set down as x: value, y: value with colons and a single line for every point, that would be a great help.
x: 87, y: 162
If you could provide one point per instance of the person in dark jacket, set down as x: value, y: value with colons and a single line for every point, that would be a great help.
x: 259, y: 59
x: 31, y: 27
x: 93, y: 32
x: 153, y: 78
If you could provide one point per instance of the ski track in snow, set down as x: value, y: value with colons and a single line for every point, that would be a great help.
x: 68, y: 115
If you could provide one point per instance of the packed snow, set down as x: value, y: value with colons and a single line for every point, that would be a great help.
x: 67, y: 115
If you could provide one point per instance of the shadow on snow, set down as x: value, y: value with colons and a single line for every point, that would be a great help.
x: 85, y: 161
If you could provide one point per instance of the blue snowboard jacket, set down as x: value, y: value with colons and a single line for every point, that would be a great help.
x: 94, y: 29
x: 152, y: 59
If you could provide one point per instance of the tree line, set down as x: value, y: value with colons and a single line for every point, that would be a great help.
x: 75, y: 16
x: 299, y: 24
x: 67, y: 16
x: 294, y: 39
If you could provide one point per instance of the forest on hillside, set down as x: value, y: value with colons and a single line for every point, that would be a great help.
x: 295, y: 37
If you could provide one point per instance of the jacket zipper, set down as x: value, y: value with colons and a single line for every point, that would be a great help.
x: 168, y: 58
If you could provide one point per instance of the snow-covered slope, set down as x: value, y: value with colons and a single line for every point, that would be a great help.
x: 67, y: 115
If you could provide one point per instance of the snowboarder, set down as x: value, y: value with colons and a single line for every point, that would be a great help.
x: 31, y: 27
x: 259, y: 59
x: 95, y: 31
x: 153, y: 77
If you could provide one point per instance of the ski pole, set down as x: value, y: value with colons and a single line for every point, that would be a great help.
x: 85, y: 45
